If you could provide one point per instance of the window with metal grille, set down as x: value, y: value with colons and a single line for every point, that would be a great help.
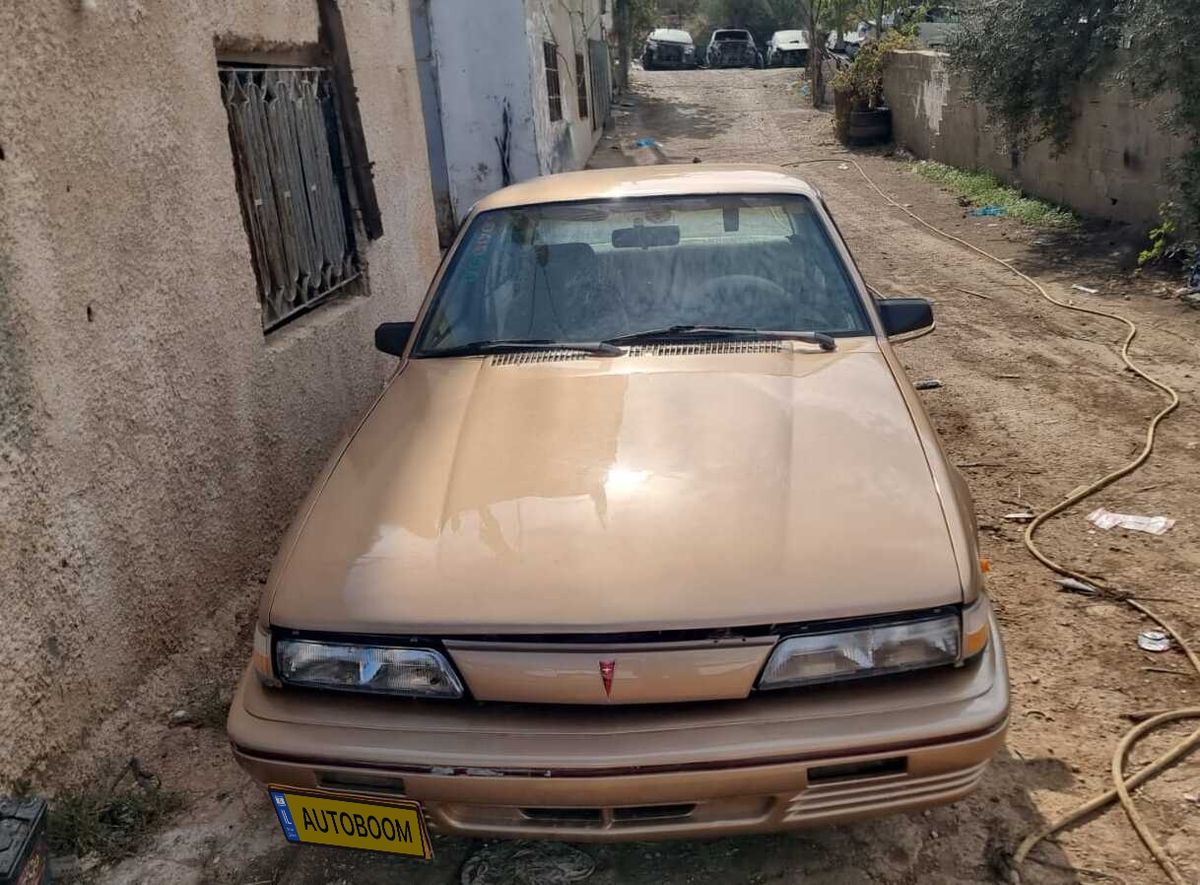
x: 291, y: 178
x: 581, y: 86
x: 553, y: 86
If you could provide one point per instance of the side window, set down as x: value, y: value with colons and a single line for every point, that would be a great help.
x: 295, y: 196
x: 553, y: 85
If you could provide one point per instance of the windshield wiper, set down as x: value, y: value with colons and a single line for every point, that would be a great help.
x: 516, y: 345
x: 826, y: 342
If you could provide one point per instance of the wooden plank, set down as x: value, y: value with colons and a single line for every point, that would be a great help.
x: 333, y: 40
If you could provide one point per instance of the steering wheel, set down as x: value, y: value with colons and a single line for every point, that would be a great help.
x: 740, y: 300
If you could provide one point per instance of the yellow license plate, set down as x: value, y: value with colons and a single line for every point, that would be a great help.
x: 372, y: 824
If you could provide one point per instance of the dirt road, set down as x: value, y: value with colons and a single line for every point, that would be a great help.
x: 1034, y: 404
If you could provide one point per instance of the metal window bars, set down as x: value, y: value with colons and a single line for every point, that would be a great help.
x: 287, y: 152
x: 553, y: 84
x: 601, y: 81
x: 581, y: 92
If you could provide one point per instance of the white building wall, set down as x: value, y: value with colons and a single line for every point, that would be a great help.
x: 565, y: 144
x: 481, y: 64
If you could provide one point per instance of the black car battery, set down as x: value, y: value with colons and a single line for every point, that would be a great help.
x: 24, y: 846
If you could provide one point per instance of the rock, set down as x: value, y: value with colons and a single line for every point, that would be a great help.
x: 180, y: 717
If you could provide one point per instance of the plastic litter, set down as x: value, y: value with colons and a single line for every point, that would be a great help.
x: 646, y: 142
x: 928, y: 384
x: 1079, y: 288
x: 1023, y: 516
x: 1154, y: 640
x: 1106, y: 519
x: 989, y: 210
x: 527, y: 863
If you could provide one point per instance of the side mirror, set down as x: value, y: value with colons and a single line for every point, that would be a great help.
x: 392, y: 338
x: 905, y: 316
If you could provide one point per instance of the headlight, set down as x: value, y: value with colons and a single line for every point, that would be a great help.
x: 977, y: 627
x: 415, y: 672
x: 261, y: 659
x: 864, y: 651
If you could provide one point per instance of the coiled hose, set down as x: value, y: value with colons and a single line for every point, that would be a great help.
x: 1122, y: 784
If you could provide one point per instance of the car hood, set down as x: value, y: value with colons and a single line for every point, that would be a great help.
x: 668, y: 489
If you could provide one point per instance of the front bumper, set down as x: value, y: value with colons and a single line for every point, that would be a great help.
x: 732, y: 58
x: 771, y: 762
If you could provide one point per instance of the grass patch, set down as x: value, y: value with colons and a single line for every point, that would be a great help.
x: 985, y: 189
x: 111, y: 816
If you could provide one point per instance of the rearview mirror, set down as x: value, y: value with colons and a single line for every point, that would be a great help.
x: 645, y: 236
x: 905, y: 316
x: 392, y: 338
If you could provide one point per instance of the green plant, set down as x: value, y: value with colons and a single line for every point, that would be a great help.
x: 985, y: 189
x: 1159, y: 237
x: 911, y: 26
x: 1025, y: 59
x: 861, y: 82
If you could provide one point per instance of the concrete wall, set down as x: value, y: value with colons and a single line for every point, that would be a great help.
x: 484, y: 61
x: 568, y: 143
x: 1115, y: 165
x: 152, y: 441
x: 481, y: 64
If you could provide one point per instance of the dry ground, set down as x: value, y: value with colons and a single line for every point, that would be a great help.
x: 1035, y: 403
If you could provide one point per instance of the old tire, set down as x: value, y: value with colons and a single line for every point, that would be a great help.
x: 870, y: 127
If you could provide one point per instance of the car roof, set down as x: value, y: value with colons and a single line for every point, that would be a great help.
x: 670, y: 34
x: 792, y: 34
x: 730, y: 31
x: 649, y: 181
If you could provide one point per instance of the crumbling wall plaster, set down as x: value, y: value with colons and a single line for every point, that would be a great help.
x: 1116, y: 165
x: 153, y: 442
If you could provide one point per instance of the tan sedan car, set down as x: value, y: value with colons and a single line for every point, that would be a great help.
x: 649, y: 536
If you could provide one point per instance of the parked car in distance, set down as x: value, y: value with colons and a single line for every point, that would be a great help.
x: 649, y: 536
x: 851, y: 41
x: 787, y: 49
x: 732, y: 48
x: 668, y: 48
x: 935, y: 25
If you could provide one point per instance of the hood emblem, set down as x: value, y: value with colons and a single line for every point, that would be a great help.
x: 607, y: 669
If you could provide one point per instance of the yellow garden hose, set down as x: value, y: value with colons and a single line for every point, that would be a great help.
x: 1122, y: 785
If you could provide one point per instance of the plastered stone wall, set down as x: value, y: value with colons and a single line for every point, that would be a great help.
x: 153, y: 443
x: 1115, y: 166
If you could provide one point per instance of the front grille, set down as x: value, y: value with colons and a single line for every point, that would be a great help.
x: 598, y: 817
x: 652, y: 812
x: 854, y: 794
x: 564, y: 815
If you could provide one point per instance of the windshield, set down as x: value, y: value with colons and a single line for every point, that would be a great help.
x: 576, y: 272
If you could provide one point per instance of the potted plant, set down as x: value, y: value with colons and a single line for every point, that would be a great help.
x: 859, y: 112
